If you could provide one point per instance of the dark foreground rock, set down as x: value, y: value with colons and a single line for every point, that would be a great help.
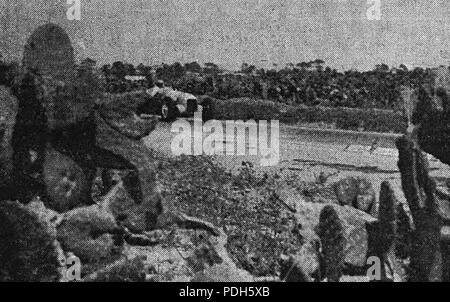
x: 354, y: 224
x: 224, y: 269
x: 28, y: 250
x: 37, y: 241
x: 304, y: 266
x: 8, y: 112
x: 88, y: 233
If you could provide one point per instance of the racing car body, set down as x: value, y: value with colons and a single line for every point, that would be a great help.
x: 171, y: 104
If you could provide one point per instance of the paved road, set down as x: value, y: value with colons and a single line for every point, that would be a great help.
x: 308, y: 153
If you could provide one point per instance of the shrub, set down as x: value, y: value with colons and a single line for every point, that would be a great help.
x: 246, y: 109
x: 374, y: 120
x: 344, y: 118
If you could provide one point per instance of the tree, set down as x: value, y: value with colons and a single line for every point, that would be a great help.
x: 8, y: 72
x: 211, y: 68
x: 130, y: 70
x: 319, y: 61
x: 147, y: 72
x: 118, y: 70
x: 177, y: 70
x: 106, y: 69
x: 303, y: 65
x: 193, y: 67
x: 382, y: 67
x: 140, y: 69
x: 3, y: 71
x: 248, y: 69
x: 87, y: 65
x: 403, y: 67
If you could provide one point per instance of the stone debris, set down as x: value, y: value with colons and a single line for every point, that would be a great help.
x: 356, y: 192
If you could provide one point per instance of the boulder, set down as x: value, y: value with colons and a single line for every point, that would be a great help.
x: 124, y: 270
x: 137, y: 217
x: 186, y: 255
x: 66, y: 184
x: 304, y: 266
x: 28, y: 249
x: 8, y: 112
x: 50, y: 218
x: 88, y: 233
x: 119, y: 113
x: 331, y: 233
x: 354, y: 224
x: 141, y: 181
x: 357, y: 192
x: 223, y: 269
x: 223, y: 273
x: 69, y: 97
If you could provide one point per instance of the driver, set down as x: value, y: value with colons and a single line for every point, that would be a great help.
x: 159, y: 86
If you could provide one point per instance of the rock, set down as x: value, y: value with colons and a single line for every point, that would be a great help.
x: 50, y: 52
x: 88, y: 233
x: 189, y: 255
x: 28, y: 251
x: 140, y: 183
x: 69, y: 97
x: 331, y: 233
x: 45, y: 215
x: 404, y: 233
x: 224, y: 271
x: 120, y: 116
x: 365, y: 203
x: 203, y: 257
x: 304, y: 266
x: 51, y: 220
x: 354, y: 224
x: 124, y: 270
x: 357, y: 192
x: 136, y: 217
x: 8, y: 112
x: 67, y: 186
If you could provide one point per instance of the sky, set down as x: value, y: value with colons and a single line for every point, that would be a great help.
x: 230, y: 32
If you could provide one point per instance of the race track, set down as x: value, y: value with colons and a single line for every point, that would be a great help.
x: 308, y: 152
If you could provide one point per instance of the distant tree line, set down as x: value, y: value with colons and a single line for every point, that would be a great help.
x: 310, y: 83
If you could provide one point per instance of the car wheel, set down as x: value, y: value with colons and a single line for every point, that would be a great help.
x: 168, y: 111
x: 208, y: 110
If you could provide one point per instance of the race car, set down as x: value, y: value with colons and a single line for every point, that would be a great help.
x: 171, y: 104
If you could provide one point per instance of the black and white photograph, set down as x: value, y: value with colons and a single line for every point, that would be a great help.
x: 224, y: 142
